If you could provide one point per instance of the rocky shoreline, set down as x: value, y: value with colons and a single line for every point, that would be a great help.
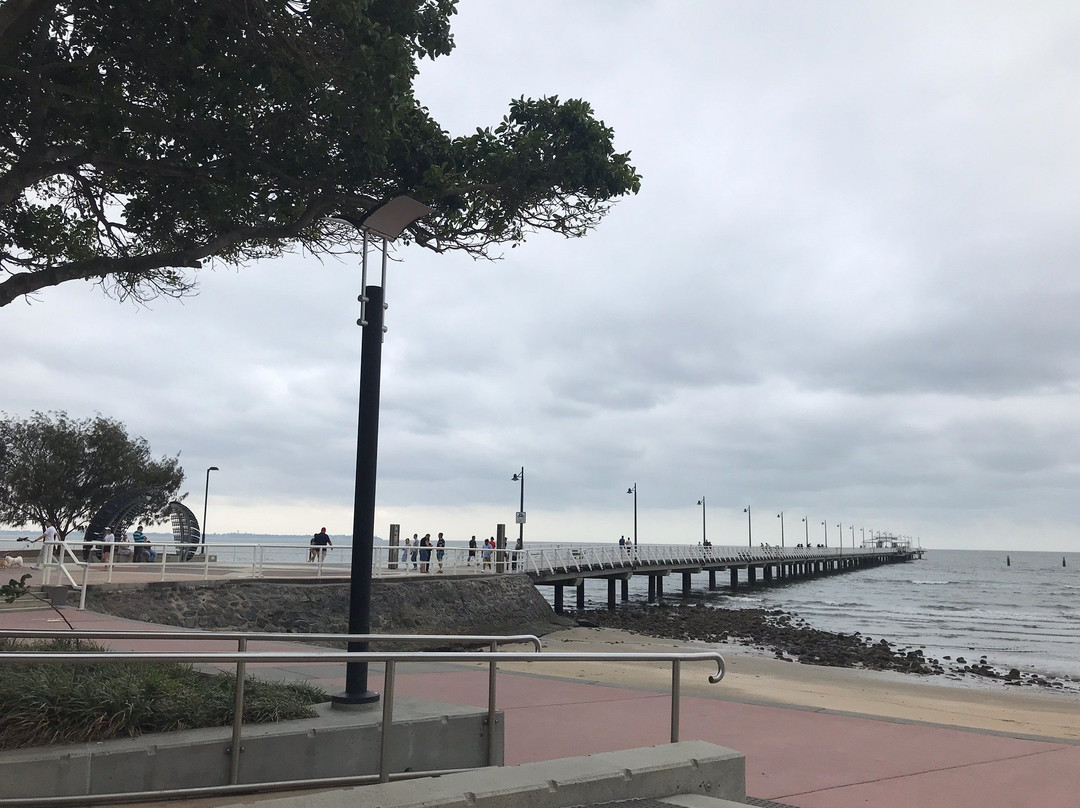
x: 791, y: 639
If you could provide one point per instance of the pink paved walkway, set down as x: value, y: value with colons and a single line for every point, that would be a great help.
x: 798, y: 757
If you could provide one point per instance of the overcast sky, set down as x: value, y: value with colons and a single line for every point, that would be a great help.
x: 848, y: 290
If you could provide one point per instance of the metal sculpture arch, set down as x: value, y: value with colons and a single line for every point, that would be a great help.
x: 186, y: 530
x: 119, y: 512
x: 123, y: 508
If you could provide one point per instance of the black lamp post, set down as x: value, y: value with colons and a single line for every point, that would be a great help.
x: 386, y: 221
x: 826, y: 533
x: 806, y: 530
x: 840, y: 537
x: 633, y: 490
x: 520, y: 518
x: 749, y: 528
x: 704, y: 538
x: 780, y: 516
x: 206, y: 496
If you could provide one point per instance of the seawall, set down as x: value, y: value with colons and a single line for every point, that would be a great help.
x: 503, y: 604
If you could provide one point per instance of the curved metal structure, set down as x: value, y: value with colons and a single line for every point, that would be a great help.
x: 185, y: 530
x: 119, y: 512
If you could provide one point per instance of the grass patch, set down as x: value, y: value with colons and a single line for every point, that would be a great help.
x: 46, y: 703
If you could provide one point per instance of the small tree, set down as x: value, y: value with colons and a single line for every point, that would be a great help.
x: 59, y: 470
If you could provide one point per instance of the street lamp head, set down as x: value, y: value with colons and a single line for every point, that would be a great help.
x: 213, y: 468
x: 629, y: 490
x: 701, y: 501
x: 516, y: 477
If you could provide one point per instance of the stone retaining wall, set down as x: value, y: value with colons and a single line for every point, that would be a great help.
x: 505, y: 604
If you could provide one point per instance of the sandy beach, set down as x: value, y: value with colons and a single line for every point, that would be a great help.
x: 756, y: 679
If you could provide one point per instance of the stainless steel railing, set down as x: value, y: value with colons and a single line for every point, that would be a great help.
x: 390, y: 659
x: 243, y: 637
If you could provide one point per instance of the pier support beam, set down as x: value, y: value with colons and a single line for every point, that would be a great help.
x: 686, y: 584
x: 611, y: 593
x: 652, y: 588
x: 659, y: 588
x: 558, y: 599
x: 734, y: 577
x: 581, y: 595
x: 751, y: 575
x: 712, y: 580
x: 625, y: 589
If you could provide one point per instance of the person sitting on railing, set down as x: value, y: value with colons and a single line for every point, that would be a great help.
x: 319, y: 542
x: 123, y: 551
x: 142, y: 554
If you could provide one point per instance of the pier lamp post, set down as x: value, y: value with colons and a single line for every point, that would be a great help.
x: 780, y: 516
x: 826, y: 526
x: 806, y: 530
x: 206, y: 496
x: 704, y: 539
x: 520, y: 517
x: 863, y: 529
x: 633, y: 490
x: 386, y: 220
x: 840, y: 537
x: 749, y: 527
x: 852, y: 537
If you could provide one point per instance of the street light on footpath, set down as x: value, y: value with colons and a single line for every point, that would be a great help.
x: 520, y: 517
x: 633, y: 490
x: 749, y: 528
x: 826, y: 533
x: 387, y: 221
x: 704, y: 538
x: 206, y: 496
x: 840, y: 537
x: 780, y: 516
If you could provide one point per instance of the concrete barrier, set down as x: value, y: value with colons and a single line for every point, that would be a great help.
x: 426, y: 736
x: 687, y: 768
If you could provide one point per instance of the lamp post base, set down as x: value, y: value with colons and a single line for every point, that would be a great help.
x: 347, y: 701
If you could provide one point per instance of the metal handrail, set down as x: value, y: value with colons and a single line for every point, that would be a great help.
x: 270, y: 636
x: 242, y: 657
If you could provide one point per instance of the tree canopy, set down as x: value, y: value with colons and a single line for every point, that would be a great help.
x: 55, y: 469
x: 140, y: 139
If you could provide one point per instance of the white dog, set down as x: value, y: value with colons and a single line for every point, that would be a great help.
x: 10, y: 562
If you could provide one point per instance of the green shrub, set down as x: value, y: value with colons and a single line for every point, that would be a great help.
x: 44, y: 703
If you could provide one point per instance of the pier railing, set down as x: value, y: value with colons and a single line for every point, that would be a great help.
x: 241, y: 657
x: 108, y: 562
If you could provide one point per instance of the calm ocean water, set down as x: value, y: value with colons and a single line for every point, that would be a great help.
x: 952, y: 602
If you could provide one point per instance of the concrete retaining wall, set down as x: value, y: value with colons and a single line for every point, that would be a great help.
x: 426, y: 737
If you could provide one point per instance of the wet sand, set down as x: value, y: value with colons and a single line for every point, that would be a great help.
x: 756, y: 679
